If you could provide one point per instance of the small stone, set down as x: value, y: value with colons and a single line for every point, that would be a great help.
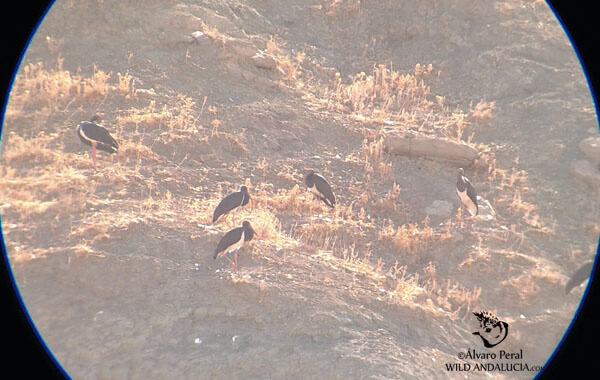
x: 264, y: 61
x: 200, y: 37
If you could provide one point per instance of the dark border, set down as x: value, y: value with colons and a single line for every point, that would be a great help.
x: 25, y: 355
x: 577, y: 350
x: 28, y: 357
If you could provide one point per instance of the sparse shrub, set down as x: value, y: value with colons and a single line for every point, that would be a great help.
x: 28, y: 151
x: 409, y: 238
x: 482, y: 111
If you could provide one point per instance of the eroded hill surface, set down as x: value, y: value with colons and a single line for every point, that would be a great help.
x: 115, y: 265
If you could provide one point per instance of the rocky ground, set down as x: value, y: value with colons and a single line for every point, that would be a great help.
x: 115, y: 265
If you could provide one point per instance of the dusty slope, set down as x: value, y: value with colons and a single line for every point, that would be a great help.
x: 116, y: 268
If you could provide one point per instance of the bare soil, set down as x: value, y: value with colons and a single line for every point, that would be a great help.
x: 115, y: 266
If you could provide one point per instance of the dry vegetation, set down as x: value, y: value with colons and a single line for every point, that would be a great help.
x: 142, y: 184
x: 180, y: 154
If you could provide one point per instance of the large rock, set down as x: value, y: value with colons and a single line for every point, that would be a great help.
x: 591, y: 148
x: 586, y: 172
x: 439, y: 149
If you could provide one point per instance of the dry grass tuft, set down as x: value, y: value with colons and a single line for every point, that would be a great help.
x: 341, y: 8
x: 36, y: 88
x: 406, y: 289
x: 512, y: 186
x: 60, y: 193
x: 34, y: 150
x: 327, y: 234
x: 268, y: 229
x: 542, y: 273
x: 183, y: 118
x: 478, y: 257
x: 351, y: 261
x: 385, y: 97
x: 294, y: 201
x: 214, y: 34
x: 409, y: 238
x: 145, y: 118
x: 127, y: 87
x: 482, y: 111
x: 429, y: 293
x: 375, y: 160
x: 130, y: 151
x: 524, y: 286
x: 288, y: 67
x: 180, y: 118
x: 97, y: 85
x: 377, y: 96
x: 450, y: 296
x: 388, y: 205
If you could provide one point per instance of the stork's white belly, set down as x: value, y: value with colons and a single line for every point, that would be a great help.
x: 465, y: 200
x: 237, y: 245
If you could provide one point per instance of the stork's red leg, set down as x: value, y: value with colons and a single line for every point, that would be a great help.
x: 226, y: 218
x: 228, y: 259
x: 235, y: 257
x: 94, y: 154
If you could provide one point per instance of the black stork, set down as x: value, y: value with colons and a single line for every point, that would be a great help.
x: 580, y: 275
x: 95, y: 135
x: 466, y: 192
x: 233, y: 241
x: 231, y: 202
x: 320, y: 188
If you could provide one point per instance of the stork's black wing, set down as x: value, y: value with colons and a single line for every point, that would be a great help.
x: 229, y: 203
x: 230, y: 239
x: 580, y: 275
x: 324, y: 189
x: 89, y: 132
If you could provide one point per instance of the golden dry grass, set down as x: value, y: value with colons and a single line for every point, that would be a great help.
x: 130, y: 189
x: 384, y: 97
x: 179, y: 118
x: 523, y: 286
x: 341, y: 8
x: 482, y: 111
x: 375, y: 160
x: 35, y: 150
x: 40, y: 181
x: 412, y: 239
x: 381, y: 96
x: 450, y: 295
x: 38, y: 87
x: 295, y: 201
x: 288, y: 67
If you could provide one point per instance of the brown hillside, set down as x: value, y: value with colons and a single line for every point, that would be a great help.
x: 115, y: 266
